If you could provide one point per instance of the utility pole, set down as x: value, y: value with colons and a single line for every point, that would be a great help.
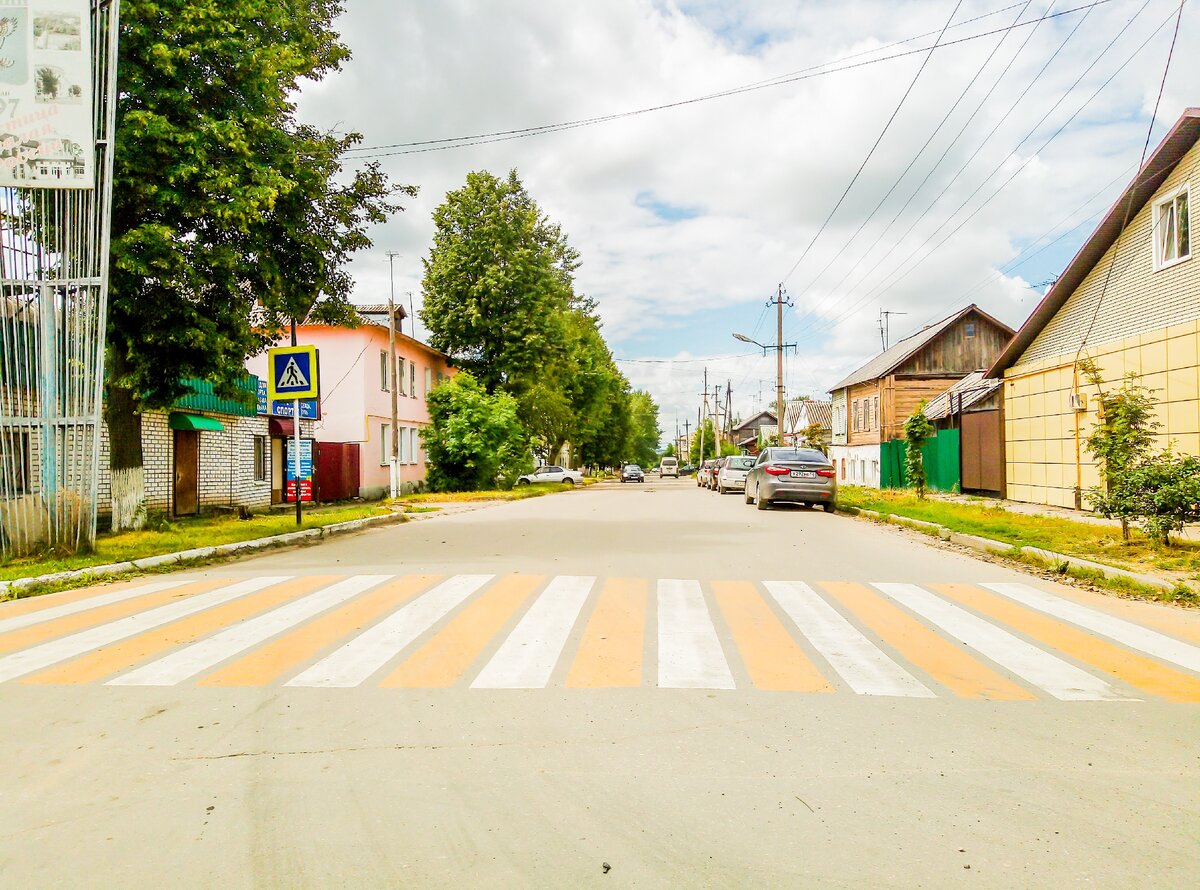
x: 717, y: 423
x: 412, y: 314
x: 703, y: 416
x: 779, y: 302
x: 393, y: 378
x: 884, y: 326
x: 687, y: 436
x: 729, y: 411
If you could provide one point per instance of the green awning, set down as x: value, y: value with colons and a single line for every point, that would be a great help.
x: 180, y: 421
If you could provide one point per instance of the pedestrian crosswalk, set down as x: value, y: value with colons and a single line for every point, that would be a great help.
x: 990, y: 641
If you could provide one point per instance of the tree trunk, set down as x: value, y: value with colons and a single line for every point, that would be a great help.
x: 125, y: 454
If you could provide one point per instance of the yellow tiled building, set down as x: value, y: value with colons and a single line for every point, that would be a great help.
x: 1130, y: 300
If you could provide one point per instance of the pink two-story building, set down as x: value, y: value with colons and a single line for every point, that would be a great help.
x: 353, y: 432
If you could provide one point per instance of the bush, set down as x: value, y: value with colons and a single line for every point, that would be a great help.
x: 1163, y: 491
x: 917, y: 430
x: 474, y: 440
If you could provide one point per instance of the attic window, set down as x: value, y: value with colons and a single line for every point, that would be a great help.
x: 969, y: 328
x: 1172, y: 232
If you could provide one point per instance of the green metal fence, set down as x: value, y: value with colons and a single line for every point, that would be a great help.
x: 942, y: 462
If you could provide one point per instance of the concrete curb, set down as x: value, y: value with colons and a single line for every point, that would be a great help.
x: 989, y: 545
x: 201, y: 553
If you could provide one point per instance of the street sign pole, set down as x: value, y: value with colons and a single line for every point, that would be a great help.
x: 296, y: 432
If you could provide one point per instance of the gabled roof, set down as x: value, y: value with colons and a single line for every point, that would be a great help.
x: 1149, y: 179
x: 887, y: 361
x: 759, y: 419
x: 963, y: 394
x: 818, y: 412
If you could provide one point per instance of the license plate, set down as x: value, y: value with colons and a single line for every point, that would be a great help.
x: 804, y: 474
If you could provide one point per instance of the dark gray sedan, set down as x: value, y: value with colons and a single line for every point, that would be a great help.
x: 800, y: 475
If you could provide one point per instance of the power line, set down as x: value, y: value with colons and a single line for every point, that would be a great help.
x: 450, y: 142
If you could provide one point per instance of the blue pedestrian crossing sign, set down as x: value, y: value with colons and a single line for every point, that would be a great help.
x: 292, y: 373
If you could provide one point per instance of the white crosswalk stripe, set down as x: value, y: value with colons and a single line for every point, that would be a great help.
x: 188, y: 662
x: 29, y: 660
x: 689, y: 651
x: 358, y: 659
x: 1059, y: 678
x: 527, y: 658
x: 864, y: 667
x: 17, y: 622
x: 1125, y: 632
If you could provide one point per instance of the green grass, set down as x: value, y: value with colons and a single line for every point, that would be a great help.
x: 1099, y: 543
x: 520, y: 493
x: 182, y: 534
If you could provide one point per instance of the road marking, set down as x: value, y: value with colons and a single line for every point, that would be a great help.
x: 358, y: 659
x: 278, y: 657
x: 445, y: 657
x: 858, y: 661
x: 772, y: 657
x: 38, y: 633
x: 1059, y: 678
x: 689, y: 652
x: 29, y: 660
x: 106, y: 661
x: 198, y: 657
x: 94, y: 601
x: 610, y: 653
x: 1134, y: 669
x: 1132, y: 635
x: 945, y: 662
x: 527, y: 658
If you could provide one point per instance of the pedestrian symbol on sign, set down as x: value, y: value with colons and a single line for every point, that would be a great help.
x: 292, y: 377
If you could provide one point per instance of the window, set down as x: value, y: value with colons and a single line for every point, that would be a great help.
x: 875, y: 408
x: 384, y: 383
x: 1172, y: 231
x: 261, y: 456
x: 385, y: 445
x: 412, y: 371
x: 855, y: 415
x: 969, y: 329
x: 15, y: 459
x: 428, y: 380
x: 414, y: 446
x: 400, y: 375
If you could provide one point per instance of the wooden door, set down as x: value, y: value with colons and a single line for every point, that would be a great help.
x: 982, y: 452
x: 187, y: 472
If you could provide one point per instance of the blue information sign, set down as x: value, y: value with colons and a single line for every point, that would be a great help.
x: 309, y: 408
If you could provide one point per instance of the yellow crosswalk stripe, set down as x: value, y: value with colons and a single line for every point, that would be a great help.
x: 773, y: 659
x: 60, y: 627
x: 281, y: 656
x: 610, y: 653
x: 443, y: 660
x: 1137, y: 670
x: 948, y: 664
x: 110, y: 660
x: 12, y: 608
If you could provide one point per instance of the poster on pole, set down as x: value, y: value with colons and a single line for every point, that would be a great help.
x: 46, y: 136
x: 306, y: 470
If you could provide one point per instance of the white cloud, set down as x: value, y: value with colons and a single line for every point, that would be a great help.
x: 763, y: 168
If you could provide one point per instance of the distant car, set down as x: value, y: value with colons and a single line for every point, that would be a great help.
x: 552, y: 474
x: 687, y: 470
x: 669, y: 466
x: 732, y: 475
x: 799, y: 475
x: 632, y: 473
x: 704, y: 473
x: 710, y: 479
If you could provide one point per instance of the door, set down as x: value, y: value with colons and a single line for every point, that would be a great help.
x: 187, y: 472
x: 982, y: 452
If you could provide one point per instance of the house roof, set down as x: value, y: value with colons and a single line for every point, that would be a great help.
x: 890, y: 359
x: 963, y: 394
x: 818, y: 412
x: 759, y: 419
x: 1178, y: 141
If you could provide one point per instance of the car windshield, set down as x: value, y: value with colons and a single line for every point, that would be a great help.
x: 740, y: 463
x: 632, y: 467
x: 804, y: 455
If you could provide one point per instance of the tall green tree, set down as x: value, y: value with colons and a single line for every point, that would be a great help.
x: 498, y: 283
x: 710, y: 444
x: 474, y: 439
x: 222, y: 199
x: 645, y: 435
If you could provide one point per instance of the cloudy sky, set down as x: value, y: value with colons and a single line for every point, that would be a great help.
x: 991, y: 157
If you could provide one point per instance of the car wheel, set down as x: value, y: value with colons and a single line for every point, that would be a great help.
x: 830, y: 507
x: 762, y: 503
x: 746, y: 497
x: 569, y: 481
x: 522, y: 482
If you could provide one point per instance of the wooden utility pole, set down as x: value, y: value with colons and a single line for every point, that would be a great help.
x: 779, y: 346
x: 703, y: 417
x: 393, y: 379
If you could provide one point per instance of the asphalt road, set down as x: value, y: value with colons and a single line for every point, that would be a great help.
x: 638, y: 686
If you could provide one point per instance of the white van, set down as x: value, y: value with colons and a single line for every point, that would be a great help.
x: 669, y: 467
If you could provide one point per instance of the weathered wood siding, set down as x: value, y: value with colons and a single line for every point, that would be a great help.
x: 904, y: 394
x: 954, y: 353
x: 869, y: 422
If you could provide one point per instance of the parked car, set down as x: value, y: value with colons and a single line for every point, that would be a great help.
x: 687, y: 470
x: 704, y: 474
x: 669, y: 466
x: 632, y: 473
x: 711, y: 481
x: 732, y: 475
x: 552, y: 474
x: 800, y: 475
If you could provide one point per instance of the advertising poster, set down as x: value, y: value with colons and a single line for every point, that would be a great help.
x: 46, y: 138
x: 306, y: 470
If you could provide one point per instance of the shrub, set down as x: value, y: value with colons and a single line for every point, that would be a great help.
x: 917, y: 430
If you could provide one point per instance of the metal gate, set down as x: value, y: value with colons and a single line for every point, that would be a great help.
x: 982, y: 452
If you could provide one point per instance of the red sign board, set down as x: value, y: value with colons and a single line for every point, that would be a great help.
x: 306, y: 490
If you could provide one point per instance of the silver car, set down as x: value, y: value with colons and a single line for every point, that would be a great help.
x: 732, y: 474
x: 800, y: 475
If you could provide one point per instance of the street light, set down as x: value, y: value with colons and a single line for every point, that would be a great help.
x: 779, y: 347
x: 746, y: 339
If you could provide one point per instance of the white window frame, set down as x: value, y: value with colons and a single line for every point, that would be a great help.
x: 385, y: 382
x: 1168, y: 200
x: 400, y: 375
x: 414, y: 446
x: 385, y: 451
x: 412, y: 373
x: 428, y: 380
x: 262, y: 458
